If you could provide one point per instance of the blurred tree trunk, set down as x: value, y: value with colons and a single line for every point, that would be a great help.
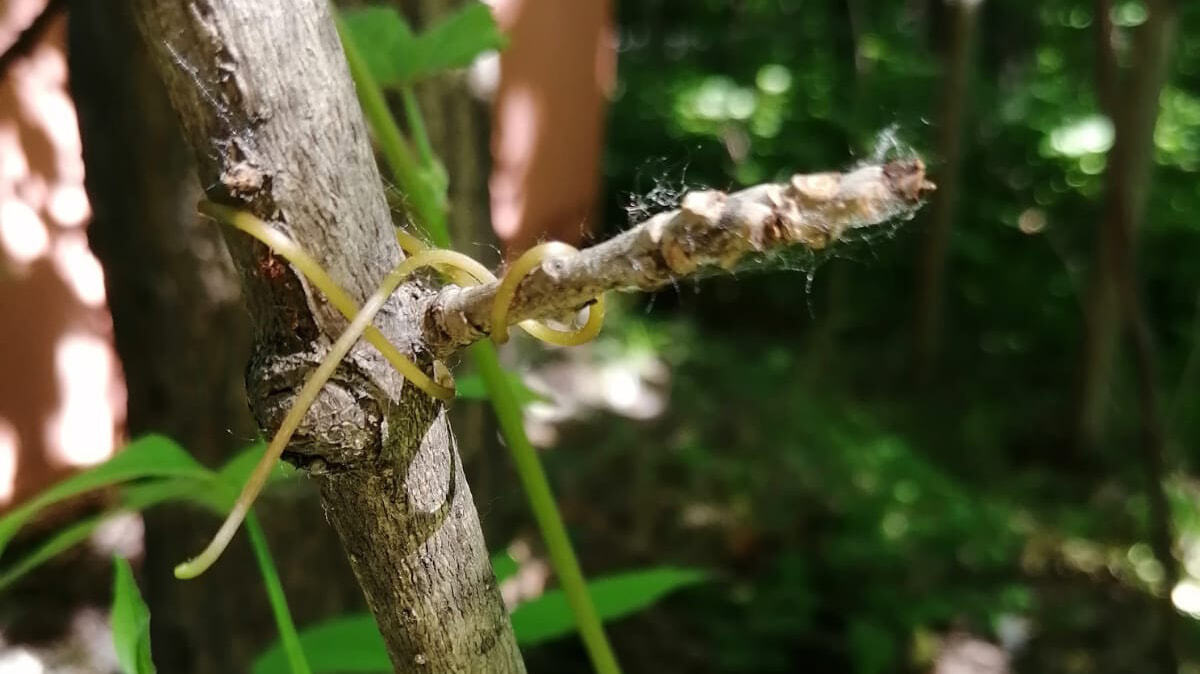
x: 957, y: 36
x: 1114, y: 297
x: 284, y: 138
x: 1133, y: 114
x: 182, y: 332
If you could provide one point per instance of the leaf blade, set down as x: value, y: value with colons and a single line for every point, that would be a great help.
x: 133, y: 499
x: 385, y: 40
x: 148, y: 456
x: 549, y: 617
x: 350, y: 643
x: 456, y: 40
x: 130, y: 622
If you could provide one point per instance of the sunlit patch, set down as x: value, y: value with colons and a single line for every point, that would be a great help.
x: 1145, y: 566
x: 1085, y: 136
x: 894, y: 525
x: 42, y: 93
x: 8, y: 460
x: 1186, y: 597
x: 121, y: 535
x: 1129, y: 13
x: 68, y: 205
x: 80, y: 432
x: 628, y: 390
x: 22, y: 233
x: 79, y: 268
x: 91, y: 633
x: 529, y: 581
x: 517, y: 113
x: 1031, y: 221
x: 14, y: 166
x: 20, y: 661
x: 483, y: 78
x: 774, y: 79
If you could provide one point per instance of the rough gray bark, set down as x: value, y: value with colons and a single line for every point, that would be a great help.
x: 267, y: 104
x: 184, y: 336
x: 931, y: 270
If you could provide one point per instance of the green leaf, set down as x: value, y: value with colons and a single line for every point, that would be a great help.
x: 234, y: 474
x: 503, y: 565
x: 62, y: 541
x: 549, y: 617
x: 456, y: 40
x: 385, y: 40
x: 471, y: 387
x: 350, y: 643
x: 395, y: 56
x: 130, y: 622
x: 149, y: 456
x: 134, y: 498
x: 214, y: 491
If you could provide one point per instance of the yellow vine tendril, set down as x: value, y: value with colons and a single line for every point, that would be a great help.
x: 526, y: 263
x: 461, y: 268
x: 339, y: 298
x: 521, y: 268
x: 304, y: 400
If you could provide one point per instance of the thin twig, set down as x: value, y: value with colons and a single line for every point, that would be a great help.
x: 710, y: 229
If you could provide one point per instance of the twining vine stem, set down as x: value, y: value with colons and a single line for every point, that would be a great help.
x: 709, y: 229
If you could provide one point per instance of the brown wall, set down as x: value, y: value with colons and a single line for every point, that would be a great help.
x: 61, y: 395
x: 548, y: 126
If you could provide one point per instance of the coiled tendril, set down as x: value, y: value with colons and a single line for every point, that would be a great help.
x: 460, y: 268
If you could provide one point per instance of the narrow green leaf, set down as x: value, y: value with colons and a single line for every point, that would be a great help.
x: 549, y: 617
x: 149, y: 456
x: 63, y: 540
x: 134, y: 498
x: 288, y: 637
x: 130, y: 622
x: 503, y: 565
x: 350, y: 643
x: 214, y: 491
x: 233, y: 475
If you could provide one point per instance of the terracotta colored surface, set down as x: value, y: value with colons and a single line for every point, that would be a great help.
x: 61, y: 397
x: 548, y: 127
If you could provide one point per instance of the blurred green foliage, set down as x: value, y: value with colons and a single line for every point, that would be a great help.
x: 859, y: 518
x: 352, y: 643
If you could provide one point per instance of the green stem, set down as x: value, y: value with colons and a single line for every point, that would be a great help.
x: 416, y: 122
x: 430, y: 211
x: 423, y: 199
x: 279, y: 606
x: 545, y: 510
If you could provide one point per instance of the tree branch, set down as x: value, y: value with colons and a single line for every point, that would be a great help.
x: 266, y: 102
x: 709, y: 229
